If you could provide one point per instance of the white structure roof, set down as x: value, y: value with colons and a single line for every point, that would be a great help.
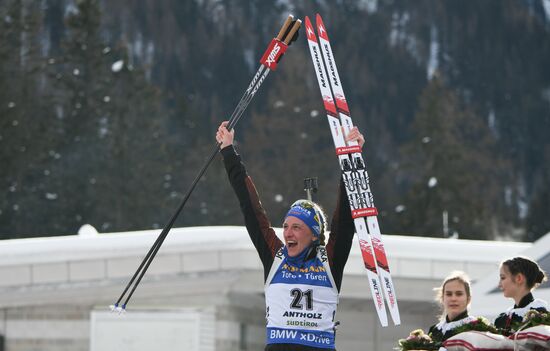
x: 107, y: 261
x: 56, y: 289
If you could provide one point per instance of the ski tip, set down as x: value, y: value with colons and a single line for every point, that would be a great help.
x: 318, y: 18
x: 309, y: 30
x: 321, y: 27
x: 383, y: 318
x: 395, y: 317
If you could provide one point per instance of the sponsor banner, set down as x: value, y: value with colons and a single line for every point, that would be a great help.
x: 303, y: 337
x: 314, y: 274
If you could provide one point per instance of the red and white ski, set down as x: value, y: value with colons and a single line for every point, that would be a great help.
x: 354, y: 171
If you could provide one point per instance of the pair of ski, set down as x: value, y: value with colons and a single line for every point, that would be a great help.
x: 356, y: 179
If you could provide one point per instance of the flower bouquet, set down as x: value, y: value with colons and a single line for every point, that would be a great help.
x: 417, y: 340
x: 481, y: 324
x: 534, y: 318
x: 533, y: 333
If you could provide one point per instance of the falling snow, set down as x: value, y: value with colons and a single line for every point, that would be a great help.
x: 51, y: 196
x: 103, y: 127
x: 204, y: 209
x: 400, y: 208
x: 117, y: 66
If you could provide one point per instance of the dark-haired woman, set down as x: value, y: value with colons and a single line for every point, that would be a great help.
x: 519, y: 276
x: 302, y: 276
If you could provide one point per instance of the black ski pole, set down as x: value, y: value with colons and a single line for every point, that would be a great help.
x: 269, y: 61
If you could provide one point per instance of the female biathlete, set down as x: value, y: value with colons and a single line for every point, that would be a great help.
x: 303, y: 274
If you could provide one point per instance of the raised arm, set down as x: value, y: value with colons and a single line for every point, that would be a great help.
x: 259, y: 228
x: 342, y: 227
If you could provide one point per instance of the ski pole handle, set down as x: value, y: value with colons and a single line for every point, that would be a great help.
x: 293, y: 31
x: 285, y: 26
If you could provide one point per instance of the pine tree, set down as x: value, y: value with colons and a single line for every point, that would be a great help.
x: 24, y: 132
x: 112, y: 135
x: 450, y: 166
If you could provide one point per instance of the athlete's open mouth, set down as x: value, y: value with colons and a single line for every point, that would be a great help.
x: 291, y: 243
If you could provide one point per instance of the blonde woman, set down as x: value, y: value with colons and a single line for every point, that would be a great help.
x: 302, y: 274
x: 454, y: 296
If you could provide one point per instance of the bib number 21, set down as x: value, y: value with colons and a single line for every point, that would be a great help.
x: 297, y: 299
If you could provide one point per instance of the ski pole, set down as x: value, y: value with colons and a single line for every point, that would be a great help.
x: 269, y: 61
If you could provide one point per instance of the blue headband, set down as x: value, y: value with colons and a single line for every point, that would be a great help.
x: 306, y: 212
